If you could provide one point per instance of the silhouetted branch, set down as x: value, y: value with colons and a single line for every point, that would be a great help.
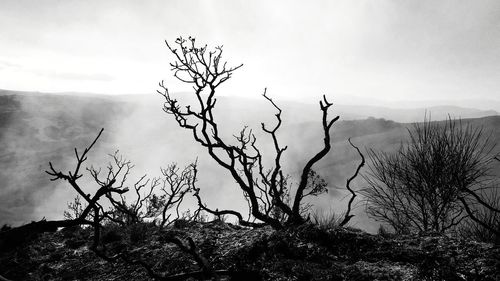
x: 476, y: 219
x: 72, y: 177
x: 348, y: 215
x: 218, y: 213
x: 191, y: 249
x: 175, y: 186
x: 425, y: 183
x: 327, y: 124
x: 264, y: 189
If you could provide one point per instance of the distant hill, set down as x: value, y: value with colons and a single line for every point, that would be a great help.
x: 37, y: 128
x: 302, y: 112
x: 246, y: 108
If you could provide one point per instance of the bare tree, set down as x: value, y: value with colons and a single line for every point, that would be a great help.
x: 94, y: 206
x: 114, y: 182
x: 153, y: 198
x: 429, y: 184
x: 264, y: 189
x: 174, y: 185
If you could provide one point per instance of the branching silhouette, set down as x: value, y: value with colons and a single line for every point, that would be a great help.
x: 113, y: 182
x: 484, y: 223
x: 265, y: 190
x: 431, y: 183
x: 75, y: 209
x: 175, y: 184
x: 484, y: 219
x: 348, y: 216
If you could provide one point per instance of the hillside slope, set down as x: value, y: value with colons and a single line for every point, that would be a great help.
x: 37, y: 128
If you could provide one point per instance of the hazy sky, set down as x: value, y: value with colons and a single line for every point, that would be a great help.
x: 350, y: 50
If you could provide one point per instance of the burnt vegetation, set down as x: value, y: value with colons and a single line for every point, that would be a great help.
x: 266, y: 190
x: 441, y: 181
x: 435, y: 190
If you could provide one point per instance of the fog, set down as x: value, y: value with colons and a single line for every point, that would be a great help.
x: 70, y: 68
x: 38, y: 128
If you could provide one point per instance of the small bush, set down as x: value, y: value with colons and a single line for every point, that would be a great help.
x: 327, y: 220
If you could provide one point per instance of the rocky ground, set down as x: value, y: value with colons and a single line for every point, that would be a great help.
x: 304, y: 253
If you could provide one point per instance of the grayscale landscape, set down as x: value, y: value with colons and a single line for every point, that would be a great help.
x: 233, y: 140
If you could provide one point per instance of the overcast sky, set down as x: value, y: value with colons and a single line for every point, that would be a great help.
x: 353, y: 51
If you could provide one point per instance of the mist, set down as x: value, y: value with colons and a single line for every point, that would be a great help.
x: 38, y: 128
x: 235, y: 139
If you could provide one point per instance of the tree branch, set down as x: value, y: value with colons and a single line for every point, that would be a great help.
x: 348, y: 215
